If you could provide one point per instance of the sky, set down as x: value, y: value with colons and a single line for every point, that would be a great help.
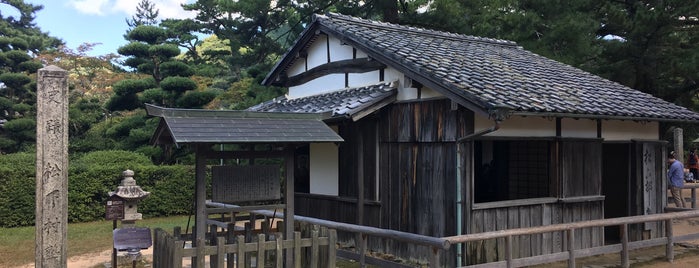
x: 96, y: 21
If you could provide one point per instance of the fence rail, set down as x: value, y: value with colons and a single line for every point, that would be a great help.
x: 169, y: 251
x: 438, y: 245
x: 572, y: 253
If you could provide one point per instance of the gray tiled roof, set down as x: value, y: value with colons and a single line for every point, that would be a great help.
x: 343, y: 103
x: 484, y: 73
x: 209, y: 126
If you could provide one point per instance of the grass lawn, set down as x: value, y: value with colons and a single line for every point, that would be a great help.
x: 17, y: 244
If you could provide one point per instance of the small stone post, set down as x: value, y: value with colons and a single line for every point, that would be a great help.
x: 51, y: 168
x: 678, y: 139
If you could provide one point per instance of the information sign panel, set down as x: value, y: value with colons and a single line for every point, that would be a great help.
x: 132, y: 238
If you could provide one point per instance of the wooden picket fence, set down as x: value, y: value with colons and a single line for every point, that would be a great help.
x: 169, y: 251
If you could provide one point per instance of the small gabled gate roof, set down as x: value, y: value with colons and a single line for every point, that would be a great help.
x: 486, y: 75
x: 181, y: 126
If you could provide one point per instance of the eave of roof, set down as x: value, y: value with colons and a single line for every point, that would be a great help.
x: 354, y: 103
x: 183, y: 126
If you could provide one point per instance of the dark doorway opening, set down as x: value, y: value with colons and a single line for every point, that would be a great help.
x: 615, y: 185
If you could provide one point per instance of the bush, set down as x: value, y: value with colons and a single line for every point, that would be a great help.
x: 91, y: 177
x: 178, y: 84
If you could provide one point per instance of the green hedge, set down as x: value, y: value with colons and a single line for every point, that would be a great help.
x: 91, y: 177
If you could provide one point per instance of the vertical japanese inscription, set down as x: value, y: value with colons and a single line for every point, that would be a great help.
x: 51, y: 168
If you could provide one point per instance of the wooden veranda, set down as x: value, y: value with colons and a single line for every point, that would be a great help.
x: 277, y: 133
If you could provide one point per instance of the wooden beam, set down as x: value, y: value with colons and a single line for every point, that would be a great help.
x: 289, y: 201
x: 200, y: 201
x: 361, y: 65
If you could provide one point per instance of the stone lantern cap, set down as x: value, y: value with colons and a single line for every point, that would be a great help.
x: 128, y: 190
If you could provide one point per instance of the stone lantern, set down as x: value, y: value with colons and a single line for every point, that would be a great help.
x: 131, y: 194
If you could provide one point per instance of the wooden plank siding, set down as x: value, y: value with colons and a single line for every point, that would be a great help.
x: 648, y: 174
x: 578, y: 173
x: 493, y: 219
x: 581, y: 167
x: 417, y: 172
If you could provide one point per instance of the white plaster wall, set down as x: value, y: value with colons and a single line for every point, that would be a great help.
x: 338, y: 51
x: 518, y: 126
x: 427, y: 93
x: 406, y: 93
x: 617, y: 130
x: 363, y: 79
x: 318, y: 52
x: 390, y: 74
x: 324, y: 174
x: 580, y: 128
x: 299, y: 66
x: 323, y: 84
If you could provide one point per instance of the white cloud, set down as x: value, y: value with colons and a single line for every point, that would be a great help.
x: 90, y: 7
x: 166, y: 8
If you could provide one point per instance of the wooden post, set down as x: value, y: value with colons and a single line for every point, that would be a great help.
x: 678, y: 139
x: 508, y: 251
x: 571, y: 247
x: 694, y: 197
x: 669, y: 250
x: 434, y: 259
x: 51, y: 168
x: 362, y: 250
x: 623, y: 230
x: 289, y: 201
x: 200, y: 202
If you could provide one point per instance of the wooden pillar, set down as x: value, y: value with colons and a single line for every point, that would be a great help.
x: 360, y: 179
x: 678, y: 139
x: 51, y: 168
x: 200, y: 199
x: 289, y: 201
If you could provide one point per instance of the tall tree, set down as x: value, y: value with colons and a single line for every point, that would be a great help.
x: 20, y: 42
x: 652, y: 46
x: 146, y: 14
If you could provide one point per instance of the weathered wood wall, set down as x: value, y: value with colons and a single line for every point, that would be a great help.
x: 575, y: 173
x: 581, y: 167
x: 648, y: 187
x: 493, y: 219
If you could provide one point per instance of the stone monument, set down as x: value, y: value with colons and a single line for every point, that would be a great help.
x: 51, y: 168
x: 132, y: 194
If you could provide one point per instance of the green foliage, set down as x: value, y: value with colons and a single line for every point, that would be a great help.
x: 30, y: 66
x: 246, y: 93
x: 91, y: 177
x: 17, y: 56
x: 22, y: 108
x: 196, y: 99
x: 133, y: 86
x: 136, y: 49
x: 22, y: 130
x: 17, y: 189
x: 146, y: 14
x: 156, y: 96
x: 15, y: 80
x: 178, y: 84
x: 148, y: 34
x: 164, y: 51
x: 176, y: 68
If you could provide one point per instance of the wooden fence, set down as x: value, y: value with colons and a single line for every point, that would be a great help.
x: 572, y: 253
x: 169, y: 251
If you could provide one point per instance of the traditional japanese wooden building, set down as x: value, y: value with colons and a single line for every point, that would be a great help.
x: 449, y: 134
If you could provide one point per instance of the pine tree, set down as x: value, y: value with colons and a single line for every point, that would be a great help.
x: 146, y: 14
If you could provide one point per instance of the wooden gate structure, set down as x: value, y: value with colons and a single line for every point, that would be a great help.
x: 232, y: 136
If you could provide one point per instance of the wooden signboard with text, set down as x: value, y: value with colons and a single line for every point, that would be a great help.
x: 114, y: 209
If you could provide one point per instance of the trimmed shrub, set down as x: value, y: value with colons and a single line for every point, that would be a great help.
x: 91, y: 177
